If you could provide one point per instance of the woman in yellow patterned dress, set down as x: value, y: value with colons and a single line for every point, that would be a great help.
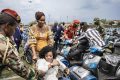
x: 39, y: 35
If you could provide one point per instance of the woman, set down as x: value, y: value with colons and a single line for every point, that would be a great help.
x: 40, y: 34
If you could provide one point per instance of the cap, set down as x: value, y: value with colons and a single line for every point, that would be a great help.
x: 12, y: 13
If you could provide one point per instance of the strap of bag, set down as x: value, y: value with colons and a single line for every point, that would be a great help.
x: 5, y: 53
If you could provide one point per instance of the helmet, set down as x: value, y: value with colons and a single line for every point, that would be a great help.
x: 12, y: 13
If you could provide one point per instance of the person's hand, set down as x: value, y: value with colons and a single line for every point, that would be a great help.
x: 75, y: 42
x: 41, y: 73
x: 50, y: 65
x: 51, y: 44
x: 55, y: 63
x: 62, y: 37
x: 67, y: 71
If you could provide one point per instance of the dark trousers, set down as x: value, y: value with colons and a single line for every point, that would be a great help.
x: 57, y: 43
x: 18, y: 45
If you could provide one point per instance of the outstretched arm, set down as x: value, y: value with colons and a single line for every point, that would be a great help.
x: 13, y: 61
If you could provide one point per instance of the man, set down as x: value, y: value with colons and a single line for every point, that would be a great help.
x: 88, y: 38
x: 57, y: 30
x: 8, y: 53
x: 92, y: 35
x: 17, y: 37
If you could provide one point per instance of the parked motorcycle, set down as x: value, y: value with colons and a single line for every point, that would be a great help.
x: 77, y: 72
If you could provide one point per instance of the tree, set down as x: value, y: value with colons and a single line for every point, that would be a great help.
x: 118, y: 24
x: 32, y: 23
x: 103, y: 21
x: 96, y: 21
x: 111, y: 23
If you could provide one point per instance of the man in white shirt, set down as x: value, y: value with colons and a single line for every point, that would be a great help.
x: 92, y: 35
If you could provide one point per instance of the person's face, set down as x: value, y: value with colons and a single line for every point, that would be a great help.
x: 49, y: 57
x: 41, y: 21
x: 69, y: 27
x: 56, y: 24
x: 9, y: 30
x: 76, y: 25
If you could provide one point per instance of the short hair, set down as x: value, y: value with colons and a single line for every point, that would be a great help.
x: 38, y: 15
x: 5, y: 18
x: 45, y: 50
x: 56, y: 23
x: 83, y: 23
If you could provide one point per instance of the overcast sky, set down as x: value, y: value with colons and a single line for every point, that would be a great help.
x: 64, y: 10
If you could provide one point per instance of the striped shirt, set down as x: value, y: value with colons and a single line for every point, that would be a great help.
x: 94, y: 38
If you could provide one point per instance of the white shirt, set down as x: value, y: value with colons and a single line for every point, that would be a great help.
x: 51, y: 73
x: 94, y: 37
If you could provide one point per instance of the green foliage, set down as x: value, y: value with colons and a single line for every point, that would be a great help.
x: 103, y: 21
x: 118, y: 24
x: 111, y: 23
x: 32, y: 23
x: 96, y: 21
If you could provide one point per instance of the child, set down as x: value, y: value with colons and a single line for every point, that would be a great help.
x: 48, y: 64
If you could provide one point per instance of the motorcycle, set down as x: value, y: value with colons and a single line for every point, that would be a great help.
x: 91, y: 63
x: 110, y: 65
x: 77, y: 72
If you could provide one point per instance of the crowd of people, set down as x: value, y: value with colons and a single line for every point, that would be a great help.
x: 43, y: 40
